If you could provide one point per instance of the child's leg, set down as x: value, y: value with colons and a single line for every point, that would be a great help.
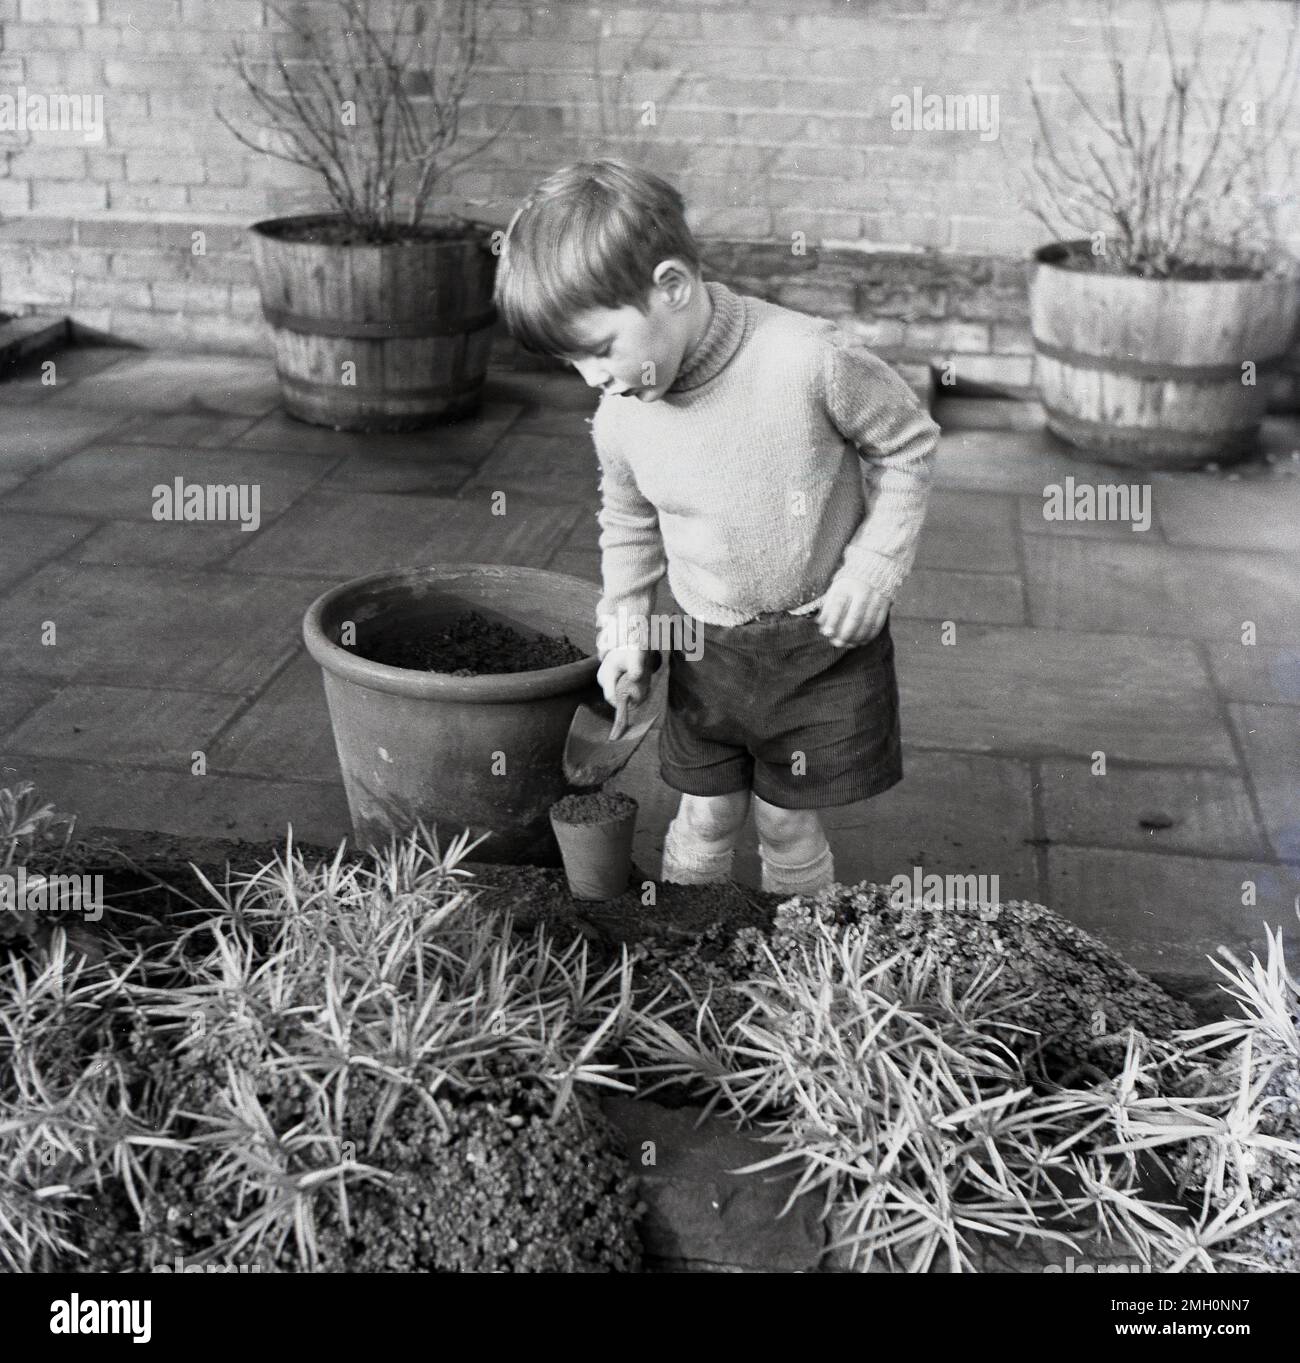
x: 792, y: 847
x: 701, y: 838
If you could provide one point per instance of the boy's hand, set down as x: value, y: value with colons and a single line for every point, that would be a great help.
x: 629, y: 660
x: 852, y: 613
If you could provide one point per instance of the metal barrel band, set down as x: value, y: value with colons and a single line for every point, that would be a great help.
x: 375, y: 331
x: 1116, y: 432
x: 1141, y: 369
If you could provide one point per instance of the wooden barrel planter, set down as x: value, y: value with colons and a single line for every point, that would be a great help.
x: 386, y: 337
x: 1155, y: 373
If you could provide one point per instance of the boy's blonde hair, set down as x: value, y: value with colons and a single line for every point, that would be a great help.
x: 589, y: 236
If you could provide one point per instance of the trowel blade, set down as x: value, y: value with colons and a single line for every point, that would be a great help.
x: 590, y: 756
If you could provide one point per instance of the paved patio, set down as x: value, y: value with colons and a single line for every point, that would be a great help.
x: 1071, y: 637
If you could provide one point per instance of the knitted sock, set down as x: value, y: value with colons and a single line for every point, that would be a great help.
x: 791, y: 878
x: 687, y: 860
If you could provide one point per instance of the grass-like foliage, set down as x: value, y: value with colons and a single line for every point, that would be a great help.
x: 298, y: 1060
x: 913, y: 1106
x: 359, y: 1065
x: 30, y: 828
x: 34, y: 836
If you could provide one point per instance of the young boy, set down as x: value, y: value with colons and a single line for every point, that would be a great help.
x: 776, y: 470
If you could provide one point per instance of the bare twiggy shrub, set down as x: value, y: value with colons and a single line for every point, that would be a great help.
x: 1182, y: 189
x: 374, y: 110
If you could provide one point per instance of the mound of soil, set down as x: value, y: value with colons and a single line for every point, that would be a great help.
x: 1073, y: 993
x: 597, y: 807
x: 472, y: 646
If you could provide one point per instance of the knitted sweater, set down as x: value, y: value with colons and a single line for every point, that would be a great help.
x: 742, y: 480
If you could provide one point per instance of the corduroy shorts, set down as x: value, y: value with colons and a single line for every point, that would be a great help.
x: 773, y: 707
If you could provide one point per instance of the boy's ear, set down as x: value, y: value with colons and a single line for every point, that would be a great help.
x: 675, y: 281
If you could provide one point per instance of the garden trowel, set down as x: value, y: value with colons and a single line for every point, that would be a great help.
x: 603, y: 737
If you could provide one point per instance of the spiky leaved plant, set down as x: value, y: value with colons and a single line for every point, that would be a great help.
x: 927, y: 1126
x: 280, y: 1068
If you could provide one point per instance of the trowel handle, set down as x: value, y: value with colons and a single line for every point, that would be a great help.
x: 620, y: 709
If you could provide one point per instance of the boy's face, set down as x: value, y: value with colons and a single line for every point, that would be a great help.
x: 629, y: 353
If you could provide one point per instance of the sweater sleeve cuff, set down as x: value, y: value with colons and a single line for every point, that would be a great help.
x: 881, y: 574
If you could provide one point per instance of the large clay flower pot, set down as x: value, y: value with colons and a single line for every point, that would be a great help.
x: 1155, y: 373
x: 376, y: 337
x: 483, y: 753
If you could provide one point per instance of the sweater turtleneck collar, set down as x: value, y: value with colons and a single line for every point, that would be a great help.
x: 721, y: 339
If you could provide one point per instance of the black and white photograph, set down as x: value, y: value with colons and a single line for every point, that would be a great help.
x: 657, y: 637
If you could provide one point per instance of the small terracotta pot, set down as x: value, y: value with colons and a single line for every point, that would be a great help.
x: 595, y: 834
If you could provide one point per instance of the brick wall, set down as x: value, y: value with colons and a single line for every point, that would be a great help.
x: 774, y: 116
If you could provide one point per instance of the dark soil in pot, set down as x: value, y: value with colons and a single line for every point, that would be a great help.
x: 328, y: 230
x: 594, y: 807
x: 1072, y: 256
x: 471, y: 646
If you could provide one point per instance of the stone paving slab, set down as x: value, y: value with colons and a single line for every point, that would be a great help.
x: 467, y: 441
x: 968, y: 530
x: 583, y: 563
x: 1168, y: 913
x: 192, y: 630
x: 19, y: 697
x: 658, y: 803
x: 31, y: 440
x: 1010, y: 461
x: 118, y: 480
x: 988, y: 414
x: 1105, y: 584
x: 27, y: 541
x: 1033, y: 522
x: 162, y: 544
x: 108, y: 797
x: 1249, y: 672
x: 1270, y: 738
x: 567, y: 467
x: 698, y: 1210
x: 545, y: 393
x: 1196, y: 510
x: 979, y: 598
x: 1042, y: 692
x: 586, y: 532
x: 557, y: 421
x: 430, y: 477
x: 286, y: 730
x: 131, y: 725
x: 185, y: 429
x: 1210, y: 810
x: 952, y: 814
x: 160, y: 382
x: 346, y: 535
x: 139, y: 604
